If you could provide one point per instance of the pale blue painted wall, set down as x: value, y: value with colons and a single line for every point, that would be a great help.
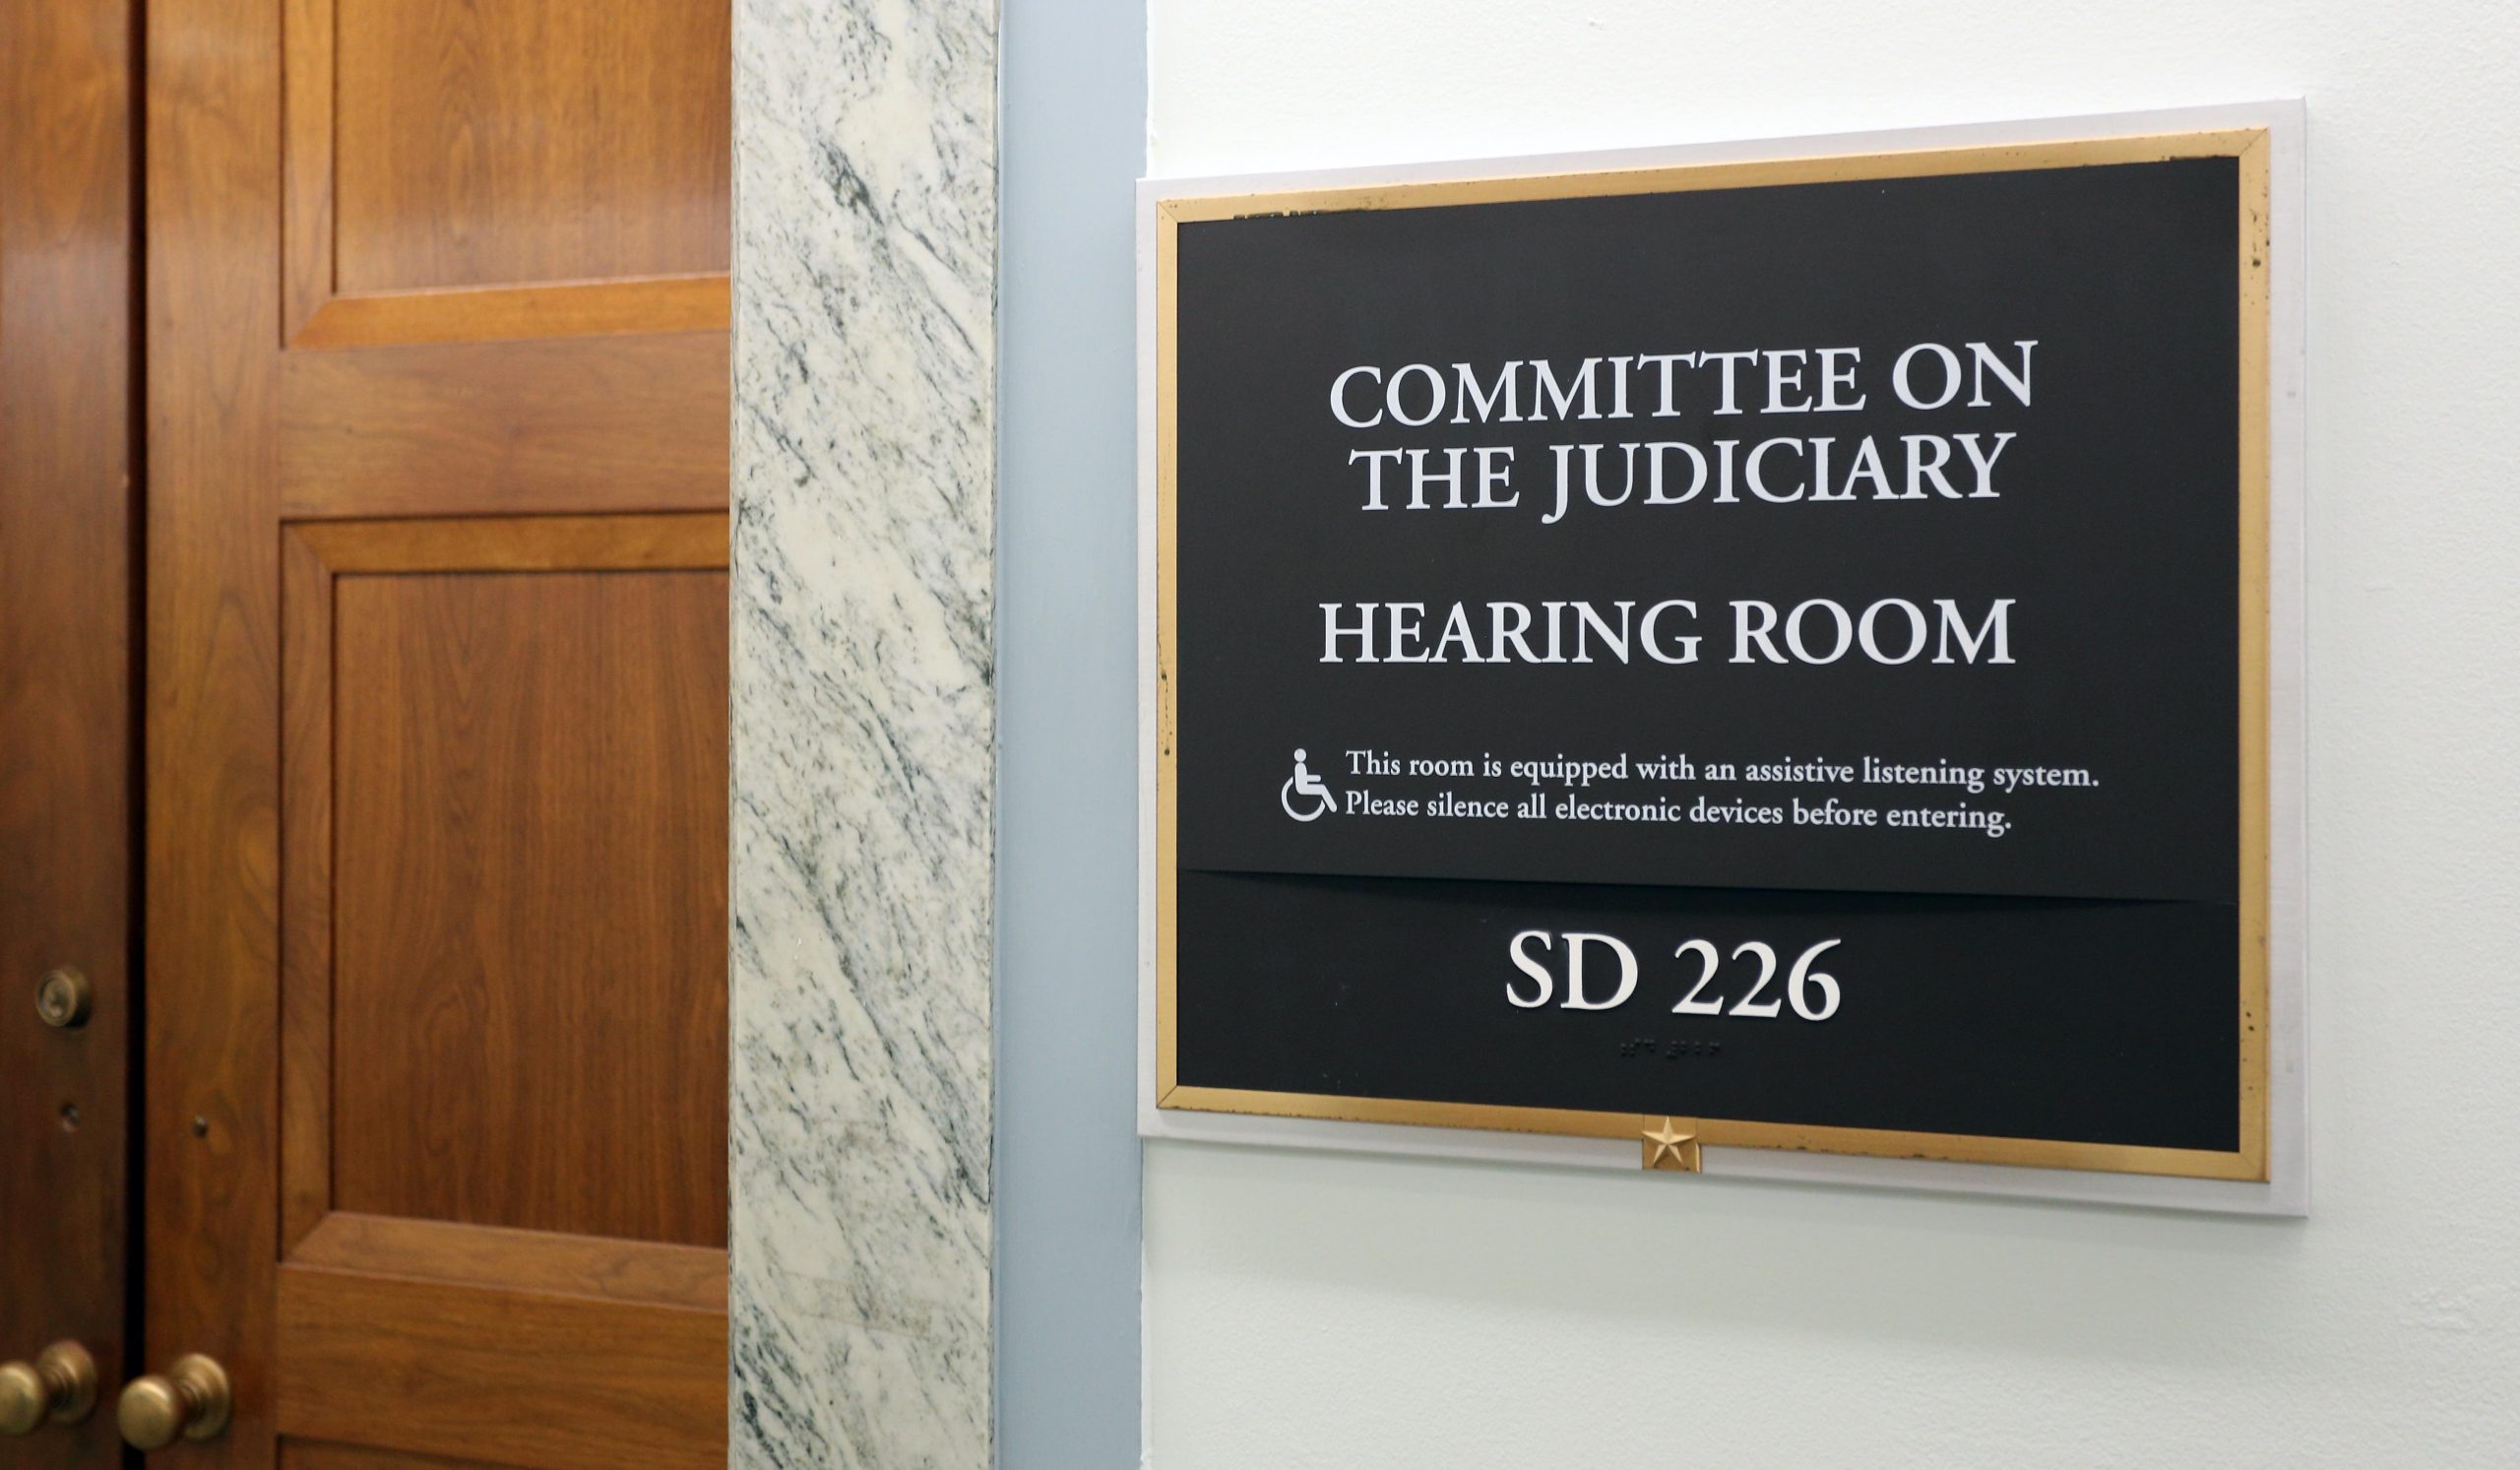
x: 1073, y: 140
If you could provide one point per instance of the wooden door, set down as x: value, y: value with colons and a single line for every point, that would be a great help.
x: 436, y: 727
x: 67, y: 614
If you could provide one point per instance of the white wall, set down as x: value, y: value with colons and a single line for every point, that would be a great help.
x: 1349, y: 1313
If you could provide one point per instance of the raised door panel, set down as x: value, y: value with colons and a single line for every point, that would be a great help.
x: 529, y: 776
x: 499, y: 1375
x: 503, y: 1125
x: 495, y: 145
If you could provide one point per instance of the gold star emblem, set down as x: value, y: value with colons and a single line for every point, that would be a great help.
x: 1673, y: 1147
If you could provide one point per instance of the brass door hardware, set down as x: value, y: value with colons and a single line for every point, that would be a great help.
x: 63, y: 998
x: 58, y: 1387
x: 189, y: 1402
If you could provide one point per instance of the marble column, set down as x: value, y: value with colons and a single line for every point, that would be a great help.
x: 865, y: 729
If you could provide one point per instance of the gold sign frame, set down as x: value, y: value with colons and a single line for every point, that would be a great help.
x: 2251, y: 148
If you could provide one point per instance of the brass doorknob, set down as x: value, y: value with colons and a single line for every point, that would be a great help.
x: 58, y: 1387
x: 189, y: 1402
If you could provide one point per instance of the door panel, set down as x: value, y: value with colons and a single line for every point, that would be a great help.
x: 518, y: 1370
x: 65, y: 671
x: 506, y: 771
x: 498, y: 143
x: 438, y: 363
x: 483, y: 726
x: 459, y: 170
x: 315, y: 1455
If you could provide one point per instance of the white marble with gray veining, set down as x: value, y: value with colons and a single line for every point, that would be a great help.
x: 864, y: 719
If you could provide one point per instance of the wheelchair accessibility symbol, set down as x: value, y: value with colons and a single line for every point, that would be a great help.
x: 1304, y: 784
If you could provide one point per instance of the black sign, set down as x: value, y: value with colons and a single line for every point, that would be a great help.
x: 1763, y: 646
